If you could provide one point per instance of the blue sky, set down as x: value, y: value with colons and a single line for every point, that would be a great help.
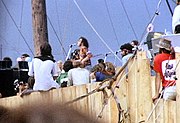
x: 106, y: 24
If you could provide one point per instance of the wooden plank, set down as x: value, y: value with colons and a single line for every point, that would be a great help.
x: 153, y: 85
x: 144, y: 90
x: 159, y: 115
x: 95, y: 102
x: 82, y: 104
x: 122, y: 94
x: 178, y: 91
x: 132, y: 90
x: 140, y: 95
x: 172, y: 112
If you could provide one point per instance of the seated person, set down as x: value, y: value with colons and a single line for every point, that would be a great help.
x: 63, y: 77
x: 79, y: 74
x: 44, y: 69
x: 102, y: 71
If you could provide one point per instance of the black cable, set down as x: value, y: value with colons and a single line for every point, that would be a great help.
x: 21, y: 13
x: 17, y: 27
x: 169, y: 7
x: 146, y: 8
x: 64, y: 52
x: 129, y: 19
x: 111, y: 22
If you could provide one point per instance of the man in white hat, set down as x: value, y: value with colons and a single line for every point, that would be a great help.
x: 165, y: 53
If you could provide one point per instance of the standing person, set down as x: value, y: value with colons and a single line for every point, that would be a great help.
x: 135, y: 44
x: 78, y: 75
x: 85, y: 55
x: 44, y: 69
x: 126, y: 52
x: 164, y: 55
x: 176, y: 19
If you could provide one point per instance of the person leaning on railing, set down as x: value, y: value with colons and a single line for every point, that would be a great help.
x: 166, y: 53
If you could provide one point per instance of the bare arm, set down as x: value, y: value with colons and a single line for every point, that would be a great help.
x: 86, y: 58
x: 157, y: 86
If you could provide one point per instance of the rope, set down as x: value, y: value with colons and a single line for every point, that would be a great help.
x: 102, y: 40
x: 159, y: 112
x: 17, y: 26
x: 128, y: 19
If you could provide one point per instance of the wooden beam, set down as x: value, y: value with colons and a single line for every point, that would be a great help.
x: 178, y: 89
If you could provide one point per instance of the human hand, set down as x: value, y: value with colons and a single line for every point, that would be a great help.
x: 155, y: 97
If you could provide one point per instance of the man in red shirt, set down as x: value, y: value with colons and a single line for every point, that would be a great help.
x: 165, y: 53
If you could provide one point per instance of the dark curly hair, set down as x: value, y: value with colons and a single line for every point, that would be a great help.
x: 84, y: 42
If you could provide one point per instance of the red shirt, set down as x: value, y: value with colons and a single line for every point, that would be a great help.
x: 158, y: 59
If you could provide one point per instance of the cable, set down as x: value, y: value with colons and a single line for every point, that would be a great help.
x: 17, y: 27
x: 64, y: 52
x: 7, y: 42
x: 63, y: 33
x: 147, y: 8
x: 56, y: 4
x: 21, y: 14
x: 111, y: 22
x: 150, y: 22
x: 95, y: 30
x: 169, y: 7
x: 129, y: 20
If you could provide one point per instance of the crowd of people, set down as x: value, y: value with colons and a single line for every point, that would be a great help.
x: 45, y: 73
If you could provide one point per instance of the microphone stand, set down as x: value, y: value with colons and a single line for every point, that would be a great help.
x: 106, y: 56
x: 70, y: 48
x: 115, y: 58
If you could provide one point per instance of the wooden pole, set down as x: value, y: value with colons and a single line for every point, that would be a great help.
x: 39, y: 21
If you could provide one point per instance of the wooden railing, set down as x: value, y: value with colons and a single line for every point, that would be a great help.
x: 134, y: 94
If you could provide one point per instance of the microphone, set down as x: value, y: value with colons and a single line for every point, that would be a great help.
x: 71, y: 45
x: 107, y: 53
x: 118, y: 51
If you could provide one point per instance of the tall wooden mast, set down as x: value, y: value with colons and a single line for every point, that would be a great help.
x: 39, y: 21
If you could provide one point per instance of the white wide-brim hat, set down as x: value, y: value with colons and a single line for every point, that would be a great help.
x: 164, y: 43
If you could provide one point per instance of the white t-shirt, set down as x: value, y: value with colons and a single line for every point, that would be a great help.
x: 78, y: 76
x: 176, y: 17
x: 169, y: 69
x: 43, y: 71
x: 126, y: 58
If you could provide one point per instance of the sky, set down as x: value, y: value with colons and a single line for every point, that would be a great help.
x: 107, y: 24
